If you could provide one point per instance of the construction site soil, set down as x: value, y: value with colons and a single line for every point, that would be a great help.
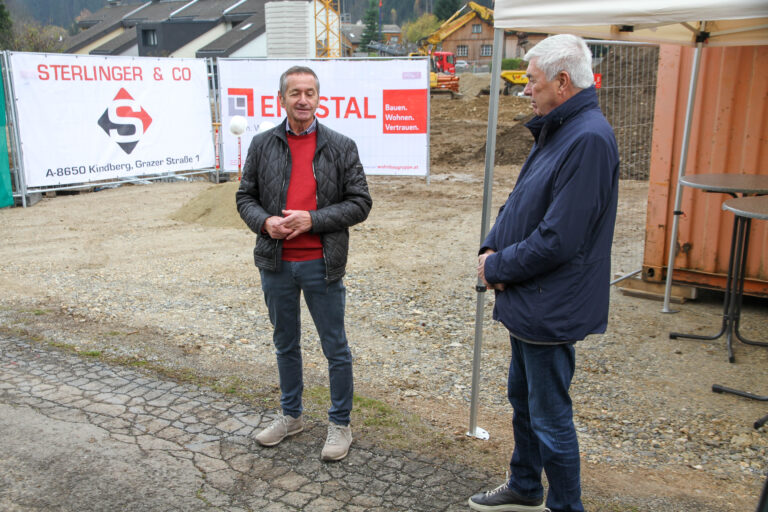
x: 162, y: 276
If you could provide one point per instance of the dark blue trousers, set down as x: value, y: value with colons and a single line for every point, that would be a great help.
x: 545, y: 436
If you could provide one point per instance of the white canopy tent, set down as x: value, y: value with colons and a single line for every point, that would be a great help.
x: 683, y: 22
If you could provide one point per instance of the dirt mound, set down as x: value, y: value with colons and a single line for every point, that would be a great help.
x: 459, y: 128
x: 513, y: 144
x: 627, y: 98
x: 215, y: 206
x: 471, y: 84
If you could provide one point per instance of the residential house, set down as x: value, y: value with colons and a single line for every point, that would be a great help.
x: 391, y: 34
x: 248, y: 35
x: 473, y: 41
x: 351, y: 34
x: 175, y: 28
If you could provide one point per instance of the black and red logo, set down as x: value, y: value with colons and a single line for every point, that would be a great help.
x: 125, y: 121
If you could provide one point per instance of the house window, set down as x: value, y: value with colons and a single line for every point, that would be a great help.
x: 394, y: 39
x: 462, y: 50
x: 486, y: 50
x: 149, y: 37
x: 477, y: 28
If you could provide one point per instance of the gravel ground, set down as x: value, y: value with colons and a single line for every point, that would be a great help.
x: 116, y: 271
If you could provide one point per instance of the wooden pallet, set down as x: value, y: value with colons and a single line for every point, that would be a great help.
x: 636, y: 287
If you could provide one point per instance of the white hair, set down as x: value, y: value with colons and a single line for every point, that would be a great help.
x: 564, y: 52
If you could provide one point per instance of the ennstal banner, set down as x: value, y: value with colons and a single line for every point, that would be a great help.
x: 383, y: 105
x: 89, y: 118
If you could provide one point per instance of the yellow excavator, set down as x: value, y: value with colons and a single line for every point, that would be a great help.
x: 443, y: 64
x: 460, y: 18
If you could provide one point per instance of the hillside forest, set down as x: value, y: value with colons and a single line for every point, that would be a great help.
x: 63, y: 13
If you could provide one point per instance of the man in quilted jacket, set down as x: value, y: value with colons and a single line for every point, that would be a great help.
x: 303, y: 186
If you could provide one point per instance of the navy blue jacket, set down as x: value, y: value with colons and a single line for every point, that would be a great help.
x: 553, y: 235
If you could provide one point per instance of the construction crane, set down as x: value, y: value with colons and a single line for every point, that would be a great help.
x: 327, y: 29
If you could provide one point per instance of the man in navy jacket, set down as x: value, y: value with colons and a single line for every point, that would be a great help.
x: 548, y: 259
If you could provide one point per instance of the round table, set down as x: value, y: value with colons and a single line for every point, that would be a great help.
x: 745, y: 184
x: 745, y: 209
x: 751, y: 205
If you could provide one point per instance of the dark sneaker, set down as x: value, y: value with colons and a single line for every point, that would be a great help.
x: 504, y: 499
x: 279, y: 429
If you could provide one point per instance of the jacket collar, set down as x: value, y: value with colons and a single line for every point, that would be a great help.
x: 542, y: 127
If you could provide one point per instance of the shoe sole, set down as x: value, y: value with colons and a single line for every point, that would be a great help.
x: 505, y: 508
x: 291, y: 433
x: 333, y: 459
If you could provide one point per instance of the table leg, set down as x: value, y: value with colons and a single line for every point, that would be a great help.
x: 726, y: 327
x: 762, y: 505
x: 740, y: 295
x: 717, y: 388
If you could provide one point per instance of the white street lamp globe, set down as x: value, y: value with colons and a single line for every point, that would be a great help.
x: 237, y: 125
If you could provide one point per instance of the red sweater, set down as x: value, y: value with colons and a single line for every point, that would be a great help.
x: 302, y: 195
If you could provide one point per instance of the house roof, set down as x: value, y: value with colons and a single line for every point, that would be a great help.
x: 248, y: 15
x: 156, y: 11
x: 353, y: 32
x: 202, y: 10
x: 98, y: 25
x: 231, y: 41
x: 244, y: 9
x: 108, y: 14
x: 117, y: 45
x: 390, y: 29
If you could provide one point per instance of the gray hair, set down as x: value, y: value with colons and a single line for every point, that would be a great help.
x: 297, y: 70
x: 564, y: 52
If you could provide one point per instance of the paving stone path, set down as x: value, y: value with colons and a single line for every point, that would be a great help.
x: 79, y: 434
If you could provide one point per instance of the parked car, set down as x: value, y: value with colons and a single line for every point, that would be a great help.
x: 462, y: 65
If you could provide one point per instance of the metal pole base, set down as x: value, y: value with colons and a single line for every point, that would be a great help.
x: 480, y: 434
x: 667, y: 310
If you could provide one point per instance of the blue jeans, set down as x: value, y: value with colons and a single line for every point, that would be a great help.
x: 545, y: 436
x: 326, y: 302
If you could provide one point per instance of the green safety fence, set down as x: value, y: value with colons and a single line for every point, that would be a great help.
x: 6, y: 191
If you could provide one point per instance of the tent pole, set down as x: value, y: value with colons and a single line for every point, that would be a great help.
x: 490, y: 154
x: 680, y: 173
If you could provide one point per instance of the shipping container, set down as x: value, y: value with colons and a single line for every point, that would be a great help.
x: 729, y: 134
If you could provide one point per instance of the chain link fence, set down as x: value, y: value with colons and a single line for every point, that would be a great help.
x: 627, y: 96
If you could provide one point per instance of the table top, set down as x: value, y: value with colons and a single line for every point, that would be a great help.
x: 754, y: 207
x: 729, y: 183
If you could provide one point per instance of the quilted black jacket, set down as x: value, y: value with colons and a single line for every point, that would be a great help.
x: 342, y: 194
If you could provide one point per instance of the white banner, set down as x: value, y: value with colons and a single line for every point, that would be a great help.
x: 86, y: 118
x: 383, y: 105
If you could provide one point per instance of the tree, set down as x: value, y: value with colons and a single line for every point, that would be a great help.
x: 422, y: 27
x: 33, y: 37
x: 6, y: 28
x: 444, y: 9
x: 371, y: 22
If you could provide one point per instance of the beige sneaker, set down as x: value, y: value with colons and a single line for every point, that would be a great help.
x: 279, y: 429
x: 337, y: 443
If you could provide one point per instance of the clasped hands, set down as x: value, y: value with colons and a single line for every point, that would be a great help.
x: 481, y: 272
x: 290, y: 225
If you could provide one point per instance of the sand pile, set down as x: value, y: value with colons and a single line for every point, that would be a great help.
x: 215, y: 207
x: 470, y: 84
